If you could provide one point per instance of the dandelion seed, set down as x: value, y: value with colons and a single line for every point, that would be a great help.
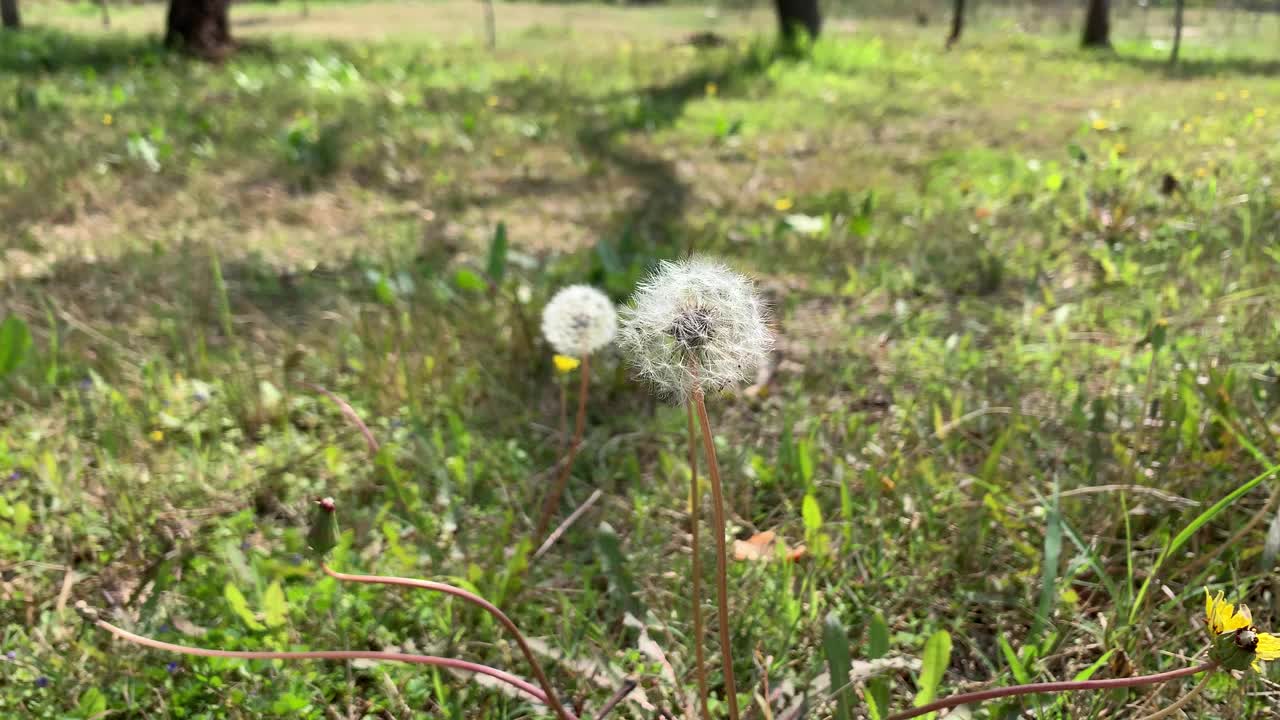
x: 694, y: 325
x: 578, y: 321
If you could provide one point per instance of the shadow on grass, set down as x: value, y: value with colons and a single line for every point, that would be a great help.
x: 35, y: 50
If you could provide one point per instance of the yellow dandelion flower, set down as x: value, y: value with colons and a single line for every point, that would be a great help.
x: 783, y: 204
x: 1268, y: 647
x: 1244, y: 94
x: 107, y: 119
x: 566, y: 364
x: 1220, y: 96
x: 491, y: 101
x: 1221, y: 616
x: 1099, y: 124
x: 1202, y: 171
x: 712, y: 89
x: 1260, y: 112
x: 157, y: 436
x: 1237, y: 644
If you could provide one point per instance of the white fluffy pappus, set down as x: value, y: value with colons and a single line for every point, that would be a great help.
x: 694, y: 325
x: 579, y: 320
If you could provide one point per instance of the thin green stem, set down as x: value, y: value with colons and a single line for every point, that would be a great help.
x: 562, y: 478
x: 722, y: 560
x: 1051, y: 687
x: 1182, y: 701
x: 695, y: 500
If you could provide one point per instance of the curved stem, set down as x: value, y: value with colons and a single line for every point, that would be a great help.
x: 501, y: 617
x: 562, y: 478
x: 722, y: 561
x: 695, y: 500
x: 523, y: 685
x: 1182, y: 701
x: 1052, y: 687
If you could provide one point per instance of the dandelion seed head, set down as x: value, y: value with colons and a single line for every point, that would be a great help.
x: 694, y: 325
x: 579, y: 320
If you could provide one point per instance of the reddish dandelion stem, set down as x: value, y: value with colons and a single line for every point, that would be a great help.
x: 1051, y: 687
x: 501, y: 617
x: 695, y: 500
x: 523, y: 685
x: 722, y: 561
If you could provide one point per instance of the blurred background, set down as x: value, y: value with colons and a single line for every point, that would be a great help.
x: 1021, y: 258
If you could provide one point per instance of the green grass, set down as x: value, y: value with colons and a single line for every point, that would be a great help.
x: 999, y: 342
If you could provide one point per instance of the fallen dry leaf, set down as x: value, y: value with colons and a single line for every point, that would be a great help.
x: 764, y: 546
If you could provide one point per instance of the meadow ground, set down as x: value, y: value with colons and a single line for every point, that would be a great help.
x: 1027, y: 307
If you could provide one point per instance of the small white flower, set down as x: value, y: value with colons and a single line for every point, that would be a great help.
x: 579, y: 320
x: 695, y: 325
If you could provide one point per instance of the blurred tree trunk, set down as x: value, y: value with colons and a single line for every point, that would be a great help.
x: 794, y: 15
x: 200, y: 27
x: 1177, y: 31
x: 1097, y: 25
x: 957, y: 24
x: 9, y: 14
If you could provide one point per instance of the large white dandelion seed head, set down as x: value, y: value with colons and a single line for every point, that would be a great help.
x: 694, y: 325
x: 579, y: 320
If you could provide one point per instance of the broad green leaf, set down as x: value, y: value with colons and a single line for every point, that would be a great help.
x: 937, y: 656
x: 812, y: 515
x: 878, y: 687
x: 93, y: 704
x: 467, y: 280
x: 274, y: 608
x: 15, y: 340
x: 609, y: 545
x: 288, y: 704
x: 835, y: 645
x: 240, y: 607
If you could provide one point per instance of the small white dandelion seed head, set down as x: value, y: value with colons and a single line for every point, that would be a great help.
x: 579, y: 320
x: 694, y: 325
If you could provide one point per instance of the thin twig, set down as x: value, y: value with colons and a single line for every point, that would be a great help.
x: 478, y: 601
x: 699, y: 636
x: 627, y: 686
x: 568, y: 522
x: 349, y: 413
x: 722, y: 561
x: 553, y: 499
x: 523, y: 685
x: 1136, y: 490
x: 1051, y: 687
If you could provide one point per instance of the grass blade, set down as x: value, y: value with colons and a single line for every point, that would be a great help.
x: 1181, y: 538
x: 835, y: 645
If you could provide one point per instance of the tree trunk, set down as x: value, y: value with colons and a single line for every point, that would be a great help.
x: 957, y: 24
x: 201, y: 27
x: 1097, y: 25
x: 1177, y: 31
x: 9, y: 14
x: 797, y: 15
